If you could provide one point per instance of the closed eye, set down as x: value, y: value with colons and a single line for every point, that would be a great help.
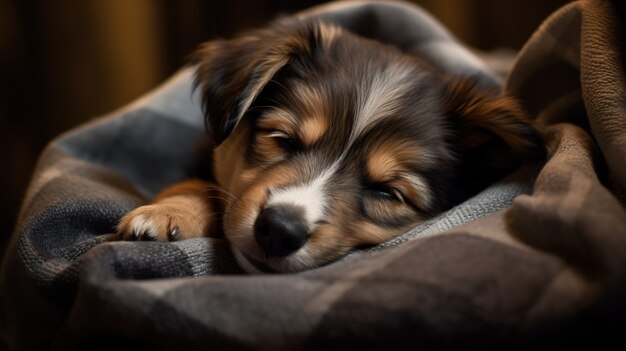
x: 284, y: 140
x: 278, y: 134
x: 385, y: 192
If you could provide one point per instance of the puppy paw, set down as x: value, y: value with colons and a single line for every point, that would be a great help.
x: 161, y: 222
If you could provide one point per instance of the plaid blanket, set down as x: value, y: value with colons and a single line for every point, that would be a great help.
x: 536, y: 260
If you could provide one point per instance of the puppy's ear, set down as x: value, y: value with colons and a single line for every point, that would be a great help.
x: 492, y: 132
x: 231, y: 73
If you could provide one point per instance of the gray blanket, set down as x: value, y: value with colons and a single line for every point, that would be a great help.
x: 538, y: 259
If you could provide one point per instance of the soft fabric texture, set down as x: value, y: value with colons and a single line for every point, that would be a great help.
x: 537, y: 259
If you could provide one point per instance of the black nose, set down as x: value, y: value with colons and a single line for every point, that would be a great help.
x: 280, y: 230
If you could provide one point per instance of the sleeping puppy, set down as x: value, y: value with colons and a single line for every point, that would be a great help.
x: 324, y: 141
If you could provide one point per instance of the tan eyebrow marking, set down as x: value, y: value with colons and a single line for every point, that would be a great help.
x: 384, y: 164
x: 381, y: 164
x: 309, y: 118
x: 312, y: 130
x: 385, y: 160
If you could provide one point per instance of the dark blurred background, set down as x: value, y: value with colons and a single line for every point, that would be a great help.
x: 64, y: 62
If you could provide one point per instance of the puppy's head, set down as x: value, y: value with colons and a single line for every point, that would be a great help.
x: 326, y: 141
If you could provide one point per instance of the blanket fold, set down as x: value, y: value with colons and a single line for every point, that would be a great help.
x: 536, y: 260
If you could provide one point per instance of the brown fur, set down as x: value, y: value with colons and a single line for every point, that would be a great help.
x: 483, y: 117
x: 182, y: 211
x: 359, y: 140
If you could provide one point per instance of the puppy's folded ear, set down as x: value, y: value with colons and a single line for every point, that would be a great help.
x: 492, y: 133
x: 231, y: 73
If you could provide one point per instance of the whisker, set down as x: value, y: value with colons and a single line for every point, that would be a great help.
x: 274, y: 101
x: 261, y: 107
x: 232, y: 196
x: 216, y: 197
x: 279, y: 84
x: 209, y: 212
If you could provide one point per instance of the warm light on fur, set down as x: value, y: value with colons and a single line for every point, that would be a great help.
x: 325, y: 141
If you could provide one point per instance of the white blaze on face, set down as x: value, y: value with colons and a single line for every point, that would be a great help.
x: 381, y: 97
x: 378, y: 99
x: 310, y: 196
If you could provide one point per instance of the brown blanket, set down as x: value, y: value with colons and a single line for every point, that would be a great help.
x: 570, y: 74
